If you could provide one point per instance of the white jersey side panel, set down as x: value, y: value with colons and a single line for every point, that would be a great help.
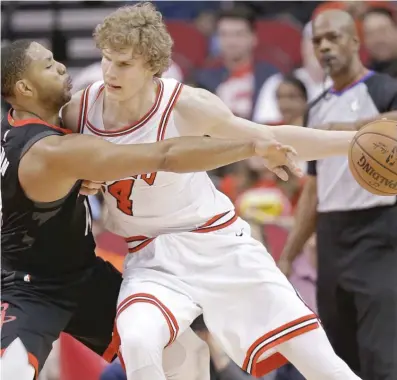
x: 155, y: 203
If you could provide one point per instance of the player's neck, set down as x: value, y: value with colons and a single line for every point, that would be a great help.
x: 32, y: 112
x: 130, y: 110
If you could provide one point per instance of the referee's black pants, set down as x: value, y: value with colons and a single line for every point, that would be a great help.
x: 357, y: 288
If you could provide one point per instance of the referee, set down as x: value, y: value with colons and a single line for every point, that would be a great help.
x: 356, y: 231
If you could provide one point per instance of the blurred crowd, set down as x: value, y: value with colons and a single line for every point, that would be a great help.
x: 267, y: 84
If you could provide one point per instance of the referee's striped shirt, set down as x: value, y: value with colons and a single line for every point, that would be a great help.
x: 336, y: 188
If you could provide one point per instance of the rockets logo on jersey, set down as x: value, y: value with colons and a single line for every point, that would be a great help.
x: 122, y: 191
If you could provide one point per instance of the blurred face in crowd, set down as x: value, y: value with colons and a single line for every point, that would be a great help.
x: 45, y: 79
x: 380, y: 36
x: 124, y: 73
x: 236, y: 39
x: 291, y: 101
x: 335, y: 41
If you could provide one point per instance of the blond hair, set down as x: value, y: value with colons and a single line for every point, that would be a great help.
x: 141, y: 28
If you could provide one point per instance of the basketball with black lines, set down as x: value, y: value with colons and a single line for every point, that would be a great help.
x: 373, y: 157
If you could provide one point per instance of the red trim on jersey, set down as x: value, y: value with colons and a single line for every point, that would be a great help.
x: 172, y: 322
x: 167, y: 112
x: 206, y: 227
x: 84, y: 109
x: 214, y: 219
x: 140, y: 123
x: 81, y: 107
x: 21, y: 123
x: 274, y: 338
x: 144, y: 241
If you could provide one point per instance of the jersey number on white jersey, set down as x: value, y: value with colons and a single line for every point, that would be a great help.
x: 122, y: 191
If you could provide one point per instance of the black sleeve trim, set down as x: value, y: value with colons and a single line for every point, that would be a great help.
x: 35, y: 139
x: 383, y: 91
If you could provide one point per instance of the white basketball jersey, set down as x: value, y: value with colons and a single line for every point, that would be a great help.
x: 147, y: 205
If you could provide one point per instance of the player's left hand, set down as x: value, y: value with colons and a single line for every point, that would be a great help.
x: 90, y: 187
x: 278, y: 157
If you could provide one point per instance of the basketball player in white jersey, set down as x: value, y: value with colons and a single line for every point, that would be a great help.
x: 189, y: 252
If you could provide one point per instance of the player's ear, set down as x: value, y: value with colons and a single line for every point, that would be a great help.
x: 356, y: 43
x: 24, y: 87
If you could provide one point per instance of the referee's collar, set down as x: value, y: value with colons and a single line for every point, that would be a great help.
x: 355, y: 83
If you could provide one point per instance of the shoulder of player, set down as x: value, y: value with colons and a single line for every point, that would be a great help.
x: 44, y: 168
x: 190, y: 95
x: 379, y: 83
x: 51, y: 146
x: 200, y: 102
x: 28, y: 133
x: 70, y: 112
x: 382, y: 89
x: 381, y: 78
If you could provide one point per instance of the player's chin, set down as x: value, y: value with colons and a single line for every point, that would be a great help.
x: 67, y: 95
x: 116, y: 94
x: 336, y: 68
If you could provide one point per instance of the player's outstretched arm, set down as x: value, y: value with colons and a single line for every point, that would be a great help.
x: 204, y: 113
x: 53, y: 164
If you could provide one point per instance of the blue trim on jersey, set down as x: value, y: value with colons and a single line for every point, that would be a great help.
x: 363, y: 79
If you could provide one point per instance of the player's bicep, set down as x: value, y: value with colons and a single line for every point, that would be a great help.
x: 38, y: 177
x: 72, y: 156
x: 78, y: 156
x: 199, y: 111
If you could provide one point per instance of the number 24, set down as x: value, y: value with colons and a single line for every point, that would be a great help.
x: 121, y: 190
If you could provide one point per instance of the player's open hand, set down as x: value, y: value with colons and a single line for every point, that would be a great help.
x: 90, y: 187
x: 278, y: 157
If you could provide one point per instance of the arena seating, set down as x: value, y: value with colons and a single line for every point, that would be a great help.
x: 67, y: 28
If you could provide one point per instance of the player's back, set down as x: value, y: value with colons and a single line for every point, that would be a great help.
x: 45, y: 239
x: 154, y: 203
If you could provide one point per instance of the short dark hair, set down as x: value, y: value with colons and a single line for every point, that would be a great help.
x: 292, y: 79
x: 14, y: 62
x: 381, y: 11
x: 239, y: 12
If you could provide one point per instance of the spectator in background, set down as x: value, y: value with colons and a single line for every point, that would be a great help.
x: 299, y: 11
x: 184, y: 10
x: 236, y: 77
x: 205, y: 23
x: 310, y: 74
x: 380, y: 39
x: 356, y: 9
x: 292, y: 98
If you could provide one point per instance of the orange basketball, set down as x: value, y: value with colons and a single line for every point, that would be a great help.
x: 373, y: 157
